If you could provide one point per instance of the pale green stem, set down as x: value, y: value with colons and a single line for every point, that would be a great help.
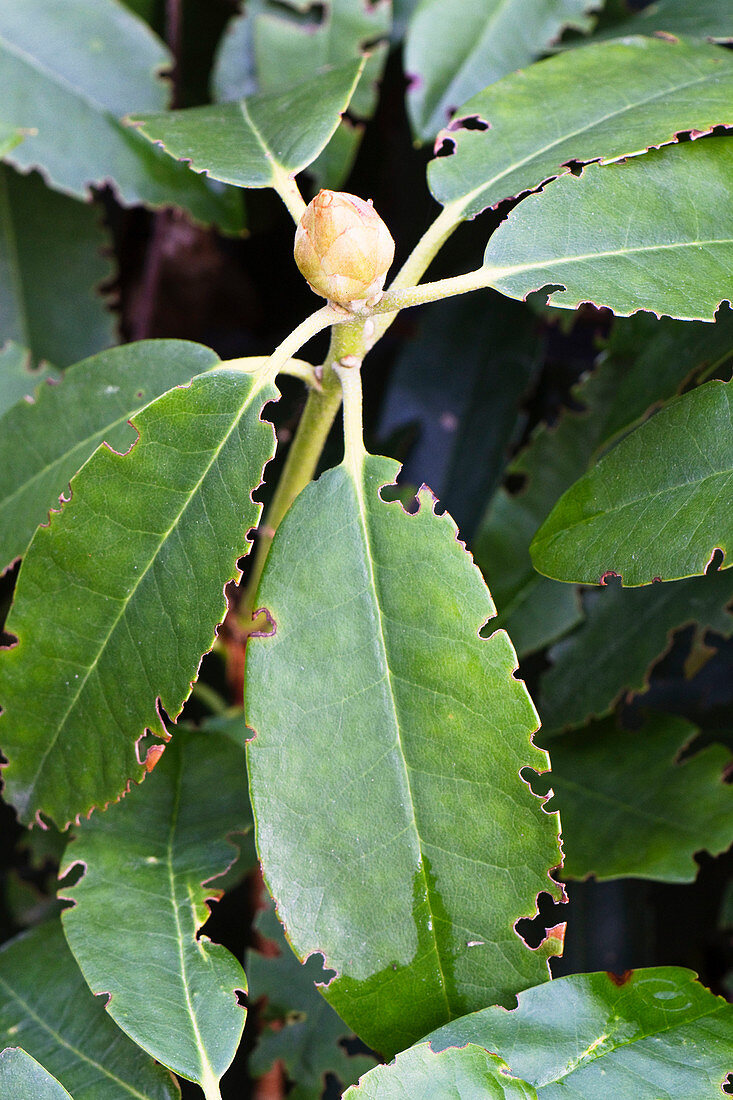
x: 392, y: 301
x: 209, y: 697
x: 354, y: 450
x: 322, y: 318
x: 296, y: 368
x: 347, y: 340
x: 211, y: 1090
x: 420, y: 259
x: 289, y: 192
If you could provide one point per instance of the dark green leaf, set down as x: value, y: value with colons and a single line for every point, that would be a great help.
x: 21, y: 1075
x: 47, y: 1008
x: 630, y: 808
x: 152, y: 861
x: 702, y: 19
x: 653, y: 232
x: 395, y: 830
x: 655, y: 507
x: 128, y: 576
x: 307, y: 1038
x: 647, y: 361
x: 51, y: 266
x: 489, y: 354
x: 437, y: 1075
x: 67, y: 75
x: 651, y: 1033
x: 18, y: 379
x: 624, y: 632
x: 263, y: 139
x: 636, y: 94
x: 454, y: 49
x: 43, y: 443
x: 274, y: 45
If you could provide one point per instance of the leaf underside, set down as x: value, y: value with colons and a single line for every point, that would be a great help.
x: 145, y: 861
x: 376, y: 699
x: 22, y: 1075
x: 129, y: 576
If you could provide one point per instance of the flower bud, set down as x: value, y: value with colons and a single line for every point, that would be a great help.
x: 343, y: 248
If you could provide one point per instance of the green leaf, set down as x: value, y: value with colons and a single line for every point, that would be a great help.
x: 274, y: 45
x: 47, y: 1008
x: 465, y: 429
x: 454, y: 49
x: 653, y: 232
x: 307, y: 1038
x: 129, y: 577
x: 21, y: 1075
x: 395, y: 831
x: 149, y: 862
x: 9, y: 138
x: 18, y: 379
x: 437, y: 1075
x: 655, y: 507
x: 631, y: 808
x: 51, y: 265
x: 647, y: 361
x: 43, y: 443
x: 625, y: 631
x: 703, y: 19
x: 649, y: 1033
x: 262, y: 139
x: 636, y: 94
x: 66, y: 77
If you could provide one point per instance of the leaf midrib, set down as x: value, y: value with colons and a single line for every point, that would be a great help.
x: 464, y: 201
x: 139, y: 579
x: 64, y: 1043
x: 356, y: 476
x: 500, y: 273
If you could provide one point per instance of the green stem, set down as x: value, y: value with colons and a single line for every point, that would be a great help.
x: 284, y: 352
x: 347, y: 342
x: 289, y: 192
x: 210, y: 698
x: 392, y: 301
x: 354, y: 450
x: 420, y: 259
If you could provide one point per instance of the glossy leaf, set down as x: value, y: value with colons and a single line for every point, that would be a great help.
x: 454, y: 49
x: 656, y: 506
x: 636, y: 94
x: 272, y: 46
x: 43, y: 443
x: 129, y: 575
x: 152, y: 862
x: 653, y: 232
x: 66, y: 77
x: 647, y: 361
x: 436, y: 1075
x: 21, y: 1075
x: 631, y: 808
x: 376, y: 699
x: 703, y: 19
x: 302, y: 1032
x: 47, y: 1008
x: 262, y: 139
x: 653, y: 1032
x: 18, y: 379
x: 51, y: 266
x: 625, y: 631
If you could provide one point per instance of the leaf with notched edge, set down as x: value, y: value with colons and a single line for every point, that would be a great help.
x: 152, y: 861
x: 637, y: 94
x: 657, y: 506
x: 119, y: 597
x: 396, y: 833
x: 44, y: 442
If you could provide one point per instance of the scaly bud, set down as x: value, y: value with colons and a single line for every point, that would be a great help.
x: 343, y: 248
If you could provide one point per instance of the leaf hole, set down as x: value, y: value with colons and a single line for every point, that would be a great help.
x: 728, y: 1085
x: 405, y: 494
x: 715, y: 563
x: 444, y: 146
x: 469, y: 122
x: 515, y: 483
x: 533, y: 930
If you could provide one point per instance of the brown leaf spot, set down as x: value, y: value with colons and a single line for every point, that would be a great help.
x: 620, y: 979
